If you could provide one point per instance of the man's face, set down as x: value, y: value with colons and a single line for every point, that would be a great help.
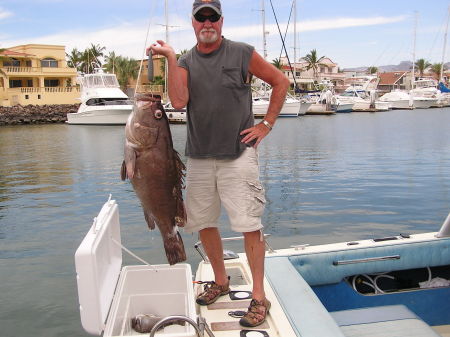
x: 207, y: 32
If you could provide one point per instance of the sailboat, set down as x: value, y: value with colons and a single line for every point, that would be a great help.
x: 292, y: 106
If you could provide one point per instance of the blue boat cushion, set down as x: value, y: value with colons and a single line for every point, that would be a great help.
x: 318, y: 268
x: 384, y: 321
x: 305, y: 312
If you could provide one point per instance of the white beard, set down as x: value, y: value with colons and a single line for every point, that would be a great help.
x: 209, y: 38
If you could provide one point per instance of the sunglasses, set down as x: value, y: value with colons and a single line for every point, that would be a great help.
x: 202, y: 18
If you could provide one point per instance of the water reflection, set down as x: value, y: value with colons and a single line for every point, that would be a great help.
x: 327, y: 179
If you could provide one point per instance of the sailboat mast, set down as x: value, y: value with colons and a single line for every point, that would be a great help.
x: 295, y: 41
x: 413, y: 76
x: 263, y: 14
x: 445, y: 47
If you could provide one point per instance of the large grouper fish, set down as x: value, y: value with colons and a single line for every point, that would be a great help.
x: 156, y: 172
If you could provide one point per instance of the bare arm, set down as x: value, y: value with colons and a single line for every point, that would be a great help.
x: 177, y: 76
x: 280, y: 84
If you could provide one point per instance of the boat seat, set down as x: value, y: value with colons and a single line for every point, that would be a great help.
x: 384, y: 321
x: 322, y: 268
x: 306, y: 314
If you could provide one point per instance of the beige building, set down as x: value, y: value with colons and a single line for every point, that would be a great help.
x: 36, y: 74
x: 327, y: 72
x: 144, y: 85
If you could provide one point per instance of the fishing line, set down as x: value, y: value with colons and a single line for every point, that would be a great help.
x: 143, y: 52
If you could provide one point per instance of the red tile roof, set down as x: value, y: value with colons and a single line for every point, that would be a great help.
x: 390, y: 78
x: 10, y: 53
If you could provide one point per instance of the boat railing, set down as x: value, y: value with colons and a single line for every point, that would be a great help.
x: 200, y: 326
x: 199, y: 247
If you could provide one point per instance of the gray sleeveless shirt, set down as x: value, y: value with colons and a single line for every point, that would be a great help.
x: 220, y: 100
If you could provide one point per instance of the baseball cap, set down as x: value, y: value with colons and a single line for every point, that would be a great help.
x: 200, y: 4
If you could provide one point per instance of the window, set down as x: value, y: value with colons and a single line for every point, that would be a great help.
x: 15, y: 83
x: 51, y: 83
x: 30, y: 83
x: 28, y: 63
x: 39, y: 96
x: 49, y: 63
x: 11, y: 63
x: 27, y: 96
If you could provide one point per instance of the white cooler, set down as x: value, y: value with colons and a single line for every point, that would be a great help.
x: 110, y: 295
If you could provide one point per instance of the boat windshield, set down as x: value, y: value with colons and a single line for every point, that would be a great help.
x: 100, y: 81
x: 108, y: 101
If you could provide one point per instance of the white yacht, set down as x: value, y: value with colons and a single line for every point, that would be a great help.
x: 395, y: 286
x: 427, y: 87
x: 102, y: 101
x: 362, y: 93
x: 398, y: 100
x: 291, y: 108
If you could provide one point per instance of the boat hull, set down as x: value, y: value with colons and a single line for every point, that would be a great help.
x: 101, y: 115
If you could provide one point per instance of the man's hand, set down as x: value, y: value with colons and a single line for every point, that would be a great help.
x: 161, y: 48
x: 255, y: 134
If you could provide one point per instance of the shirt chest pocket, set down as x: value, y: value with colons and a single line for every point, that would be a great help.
x: 232, y: 78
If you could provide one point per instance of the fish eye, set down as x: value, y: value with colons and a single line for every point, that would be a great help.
x: 158, y: 114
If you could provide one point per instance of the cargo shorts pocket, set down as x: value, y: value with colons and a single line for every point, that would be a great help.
x: 257, y: 198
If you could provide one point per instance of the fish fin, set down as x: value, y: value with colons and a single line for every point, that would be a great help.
x: 178, y: 187
x: 150, y: 220
x: 173, y: 245
x: 123, y: 171
x: 130, y: 161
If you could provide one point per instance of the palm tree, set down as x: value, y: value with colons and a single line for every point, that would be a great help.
x: 184, y: 51
x: 74, y: 59
x: 421, y: 65
x: 111, y: 61
x: 277, y: 63
x: 372, y: 70
x: 313, y: 62
x: 126, y: 68
x: 96, y: 51
x: 436, y: 69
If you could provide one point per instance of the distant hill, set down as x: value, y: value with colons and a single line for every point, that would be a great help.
x: 402, y: 66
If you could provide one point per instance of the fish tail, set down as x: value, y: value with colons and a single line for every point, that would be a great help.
x: 174, y: 248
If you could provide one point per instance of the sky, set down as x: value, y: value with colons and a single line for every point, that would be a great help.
x: 352, y: 33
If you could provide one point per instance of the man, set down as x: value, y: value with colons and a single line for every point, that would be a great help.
x: 214, y: 80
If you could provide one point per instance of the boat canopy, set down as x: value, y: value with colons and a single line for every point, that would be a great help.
x: 443, y: 88
x: 99, y: 81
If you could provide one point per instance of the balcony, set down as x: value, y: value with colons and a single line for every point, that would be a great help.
x: 11, y: 70
x: 24, y: 90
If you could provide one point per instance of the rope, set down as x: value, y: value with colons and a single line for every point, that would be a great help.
x: 284, y: 46
x: 131, y: 253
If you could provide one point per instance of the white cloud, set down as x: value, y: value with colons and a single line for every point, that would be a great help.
x: 128, y: 39
x: 4, y: 13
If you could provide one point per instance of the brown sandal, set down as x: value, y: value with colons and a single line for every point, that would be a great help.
x: 211, y: 292
x: 256, y: 314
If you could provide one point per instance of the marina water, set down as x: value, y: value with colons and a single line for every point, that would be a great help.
x: 328, y: 179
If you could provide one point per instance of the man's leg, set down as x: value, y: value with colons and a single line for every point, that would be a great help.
x: 212, y: 243
x: 255, y: 250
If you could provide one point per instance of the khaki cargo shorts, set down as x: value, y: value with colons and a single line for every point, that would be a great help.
x: 233, y: 183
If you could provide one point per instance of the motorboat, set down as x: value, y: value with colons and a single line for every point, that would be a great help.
x: 362, y: 93
x: 102, y: 101
x: 389, y: 286
x: 398, y: 100
x: 175, y: 116
x: 363, y: 101
x: 292, y: 107
x: 427, y: 88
